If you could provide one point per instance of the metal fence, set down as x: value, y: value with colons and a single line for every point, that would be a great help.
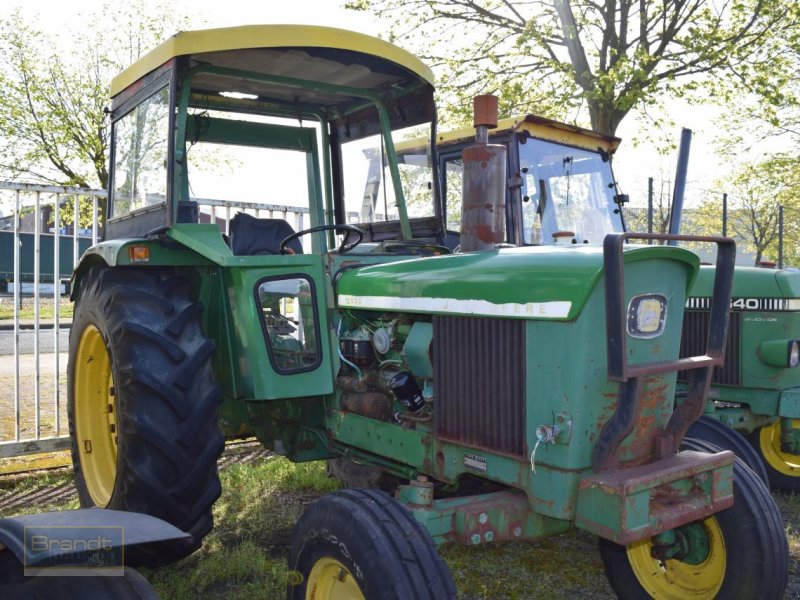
x: 33, y: 338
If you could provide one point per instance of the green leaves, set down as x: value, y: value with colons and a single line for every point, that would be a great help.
x: 601, y: 60
x: 52, y: 110
x: 755, y: 193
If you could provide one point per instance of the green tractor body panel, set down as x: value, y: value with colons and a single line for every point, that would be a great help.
x: 518, y: 283
x: 765, y: 320
x: 759, y: 382
x: 546, y: 366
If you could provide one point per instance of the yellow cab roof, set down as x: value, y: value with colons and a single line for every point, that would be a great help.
x: 212, y: 46
x: 539, y: 127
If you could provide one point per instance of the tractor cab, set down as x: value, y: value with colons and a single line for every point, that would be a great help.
x: 248, y: 121
x: 561, y: 184
x: 246, y: 149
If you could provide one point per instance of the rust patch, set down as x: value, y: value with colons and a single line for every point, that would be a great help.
x: 652, y: 401
x: 368, y: 404
x: 483, y: 153
x: 668, y: 505
x: 351, y: 384
x: 487, y: 234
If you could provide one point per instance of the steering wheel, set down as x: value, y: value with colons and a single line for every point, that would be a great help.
x: 344, y: 247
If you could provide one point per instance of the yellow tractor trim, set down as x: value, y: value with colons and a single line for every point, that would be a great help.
x: 676, y: 580
x: 331, y: 580
x: 266, y: 36
x: 95, y: 416
x: 538, y: 127
x: 770, y: 441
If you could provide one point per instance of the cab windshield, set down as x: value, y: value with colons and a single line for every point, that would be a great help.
x: 566, y: 190
x: 369, y: 195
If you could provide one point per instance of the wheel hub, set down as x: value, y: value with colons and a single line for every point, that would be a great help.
x: 330, y: 580
x: 790, y: 437
x: 771, y: 444
x: 688, y: 544
x: 698, y: 574
x: 95, y: 416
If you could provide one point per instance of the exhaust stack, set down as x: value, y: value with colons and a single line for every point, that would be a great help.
x: 483, y: 200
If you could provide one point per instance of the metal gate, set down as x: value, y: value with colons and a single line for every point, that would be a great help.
x: 36, y: 262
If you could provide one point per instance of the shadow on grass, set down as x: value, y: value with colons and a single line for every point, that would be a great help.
x: 245, y: 554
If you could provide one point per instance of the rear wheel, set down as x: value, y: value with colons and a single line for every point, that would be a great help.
x: 358, y: 544
x: 711, y: 430
x: 783, y: 468
x: 740, y: 552
x: 143, y: 403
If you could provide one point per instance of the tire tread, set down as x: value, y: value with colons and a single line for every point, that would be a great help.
x: 166, y: 395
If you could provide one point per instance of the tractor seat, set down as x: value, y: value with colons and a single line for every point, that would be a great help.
x: 251, y: 236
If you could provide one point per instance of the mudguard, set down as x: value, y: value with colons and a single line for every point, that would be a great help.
x: 137, y: 529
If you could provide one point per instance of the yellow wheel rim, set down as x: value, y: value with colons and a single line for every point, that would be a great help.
x: 676, y: 580
x: 95, y: 416
x: 331, y: 580
x: 770, y: 442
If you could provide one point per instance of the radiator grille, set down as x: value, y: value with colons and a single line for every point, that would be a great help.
x: 479, y: 378
x: 693, y: 343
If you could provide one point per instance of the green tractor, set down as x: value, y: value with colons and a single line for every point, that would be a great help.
x: 513, y: 393
x: 754, y: 402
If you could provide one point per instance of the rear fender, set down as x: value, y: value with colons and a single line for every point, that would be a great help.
x: 129, y: 529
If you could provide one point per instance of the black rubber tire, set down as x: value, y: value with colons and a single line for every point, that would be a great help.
x: 391, y: 555
x: 351, y: 475
x: 130, y: 585
x: 777, y: 480
x: 711, y: 430
x: 166, y: 399
x: 756, y: 549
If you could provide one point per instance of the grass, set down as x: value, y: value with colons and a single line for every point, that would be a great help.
x: 45, y: 309
x: 42, y: 460
x: 244, y: 556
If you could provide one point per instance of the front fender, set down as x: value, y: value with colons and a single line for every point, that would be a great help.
x: 120, y: 252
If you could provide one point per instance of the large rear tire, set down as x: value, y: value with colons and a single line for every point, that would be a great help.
x: 360, y: 544
x: 747, y: 551
x: 782, y: 467
x: 713, y: 431
x: 143, y: 403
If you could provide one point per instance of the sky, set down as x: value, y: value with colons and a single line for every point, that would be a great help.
x: 633, y: 163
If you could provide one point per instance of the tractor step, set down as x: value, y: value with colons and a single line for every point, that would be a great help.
x: 627, y: 505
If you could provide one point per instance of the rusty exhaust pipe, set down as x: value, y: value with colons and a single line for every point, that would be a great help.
x: 483, y: 206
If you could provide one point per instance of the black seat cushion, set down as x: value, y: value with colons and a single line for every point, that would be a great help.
x: 251, y: 236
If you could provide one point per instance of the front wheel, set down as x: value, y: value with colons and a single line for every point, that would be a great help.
x: 359, y: 544
x: 142, y: 403
x: 783, y: 468
x: 740, y: 552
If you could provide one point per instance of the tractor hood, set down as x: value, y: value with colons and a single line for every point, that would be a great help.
x: 524, y: 283
x: 753, y: 283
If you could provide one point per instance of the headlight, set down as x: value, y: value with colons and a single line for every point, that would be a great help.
x: 647, y: 315
x: 794, y: 353
x: 780, y: 353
